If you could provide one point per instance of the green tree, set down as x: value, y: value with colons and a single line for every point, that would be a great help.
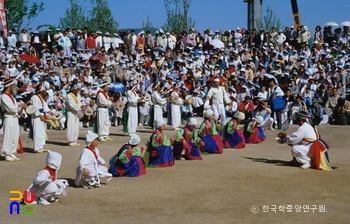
x: 147, y: 25
x: 270, y: 20
x: 75, y: 16
x: 21, y: 13
x: 178, y: 19
x: 101, y: 17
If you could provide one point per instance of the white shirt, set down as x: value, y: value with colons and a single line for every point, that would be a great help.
x: 217, y: 95
x: 262, y: 95
x: 36, y: 39
x: 25, y: 38
x: 102, y: 101
x: 10, y: 108
x: 157, y: 100
x: 144, y: 110
x: 197, y: 101
x: 305, y: 131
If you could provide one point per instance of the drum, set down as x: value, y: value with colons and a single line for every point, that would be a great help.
x: 58, y: 115
x: 147, y: 98
x: 89, y: 112
x: 174, y: 98
x: 120, y: 105
x: 190, y: 100
x: 31, y: 110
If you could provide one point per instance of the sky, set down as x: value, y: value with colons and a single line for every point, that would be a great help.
x: 213, y: 14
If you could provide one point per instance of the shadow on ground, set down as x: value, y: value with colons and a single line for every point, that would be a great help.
x: 277, y: 162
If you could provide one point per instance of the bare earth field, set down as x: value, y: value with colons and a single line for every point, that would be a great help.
x: 219, y: 189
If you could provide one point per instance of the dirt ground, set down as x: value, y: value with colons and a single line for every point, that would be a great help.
x: 219, y: 189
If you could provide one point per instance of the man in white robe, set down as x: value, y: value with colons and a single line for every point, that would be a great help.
x: 301, y: 141
x: 103, y: 103
x: 176, y: 107
x: 73, y: 106
x: 133, y: 99
x: 218, y: 96
x: 91, y: 165
x: 45, y: 185
x: 158, y: 103
x: 10, y: 124
x: 38, y: 124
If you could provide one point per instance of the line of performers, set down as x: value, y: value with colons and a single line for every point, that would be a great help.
x: 131, y: 160
x: 40, y: 115
x: 308, y: 149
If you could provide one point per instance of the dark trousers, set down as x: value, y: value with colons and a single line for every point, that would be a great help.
x: 347, y: 114
x: 278, y: 117
x: 317, y: 120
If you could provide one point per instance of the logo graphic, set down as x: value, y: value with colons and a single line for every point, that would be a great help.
x: 15, y: 202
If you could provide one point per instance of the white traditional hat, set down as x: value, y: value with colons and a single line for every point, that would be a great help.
x: 216, y: 80
x: 90, y: 136
x: 259, y: 119
x: 240, y: 116
x: 41, y: 89
x: 10, y: 82
x: 303, y: 115
x: 208, y: 113
x: 178, y: 85
x: 192, y: 121
x: 159, y: 123
x: 104, y: 84
x: 53, y: 160
x: 134, y: 139
x: 156, y: 85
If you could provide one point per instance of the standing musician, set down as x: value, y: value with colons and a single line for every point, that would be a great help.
x: 132, y: 115
x: 73, y: 106
x: 176, y: 107
x: 11, y: 127
x: 218, y: 96
x: 38, y: 124
x: 158, y: 103
x: 103, y: 103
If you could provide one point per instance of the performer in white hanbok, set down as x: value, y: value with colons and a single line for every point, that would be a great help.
x: 91, y: 165
x: 45, y: 185
x: 38, y: 124
x: 158, y: 103
x: 103, y: 103
x: 308, y: 148
x: 218, y: 97
x: 73, y: 106
x: 11, y: 128
x: 176, y: 107
x: 133, y: 99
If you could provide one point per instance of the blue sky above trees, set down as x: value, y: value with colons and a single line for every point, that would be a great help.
x: 221, y: 14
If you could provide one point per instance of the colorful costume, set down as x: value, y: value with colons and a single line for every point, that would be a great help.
x: 253, y: 134
x: 190, y: 148
x: 127, y: 163
x: 159, y: 152
x: 209, y: 135
x: 233, y: 137
x: 306, y: 141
